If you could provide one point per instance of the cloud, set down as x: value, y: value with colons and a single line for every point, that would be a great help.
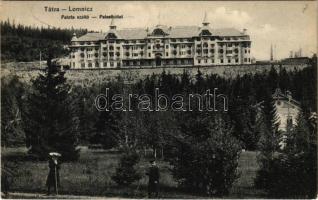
x: 232, y: 18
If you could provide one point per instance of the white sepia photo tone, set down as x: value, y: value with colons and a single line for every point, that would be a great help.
x: 158, y: 99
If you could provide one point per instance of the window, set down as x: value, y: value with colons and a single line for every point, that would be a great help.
x: 97, y: 64
x: 245, y: 59
x: 149, y: 54
x: 205, y: 61
x: 82, y: 55
x: 96, y: 55
x: 111, y: 48
x: 90, y: 64
x: 112, y: 64
x: 167, y: 46
x: 212, y: 60
x: 221, y: 60
x: 199, y: 61
x: 127, y: 54
x: 105, y: 64
x: 111, y: 54
x: 236, y: 60
x: 149, y: 47
x: 229, y: 60
x: 167, y: 54
x: 82, y: 65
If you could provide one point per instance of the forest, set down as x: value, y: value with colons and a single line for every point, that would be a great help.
x: 24, y: 43
x: 65, y: 116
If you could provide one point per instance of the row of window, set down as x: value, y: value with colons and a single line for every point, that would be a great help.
x: 174, y: 52
x: 158, y: 46
x: 201, y: 61
x: 171, y: 40
x: 97, y: 64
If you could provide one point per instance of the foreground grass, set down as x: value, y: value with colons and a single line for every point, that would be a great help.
x: 91, y: 175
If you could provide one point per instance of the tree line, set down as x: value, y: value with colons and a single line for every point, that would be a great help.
x: 24, y: 43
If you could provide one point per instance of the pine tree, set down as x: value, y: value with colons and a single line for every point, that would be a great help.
x: 126, y: 173
x: 205, y: 155
x: 268, y: 145
x: 293, y: 171
x: 50, y: 123
x: 12, y: 92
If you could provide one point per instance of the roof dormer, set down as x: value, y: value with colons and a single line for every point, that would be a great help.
x: 74, y: 38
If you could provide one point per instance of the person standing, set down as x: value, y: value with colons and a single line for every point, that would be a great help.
x: 53, y: 178
x: 153, y: 184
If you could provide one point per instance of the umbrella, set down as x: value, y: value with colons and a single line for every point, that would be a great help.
x: 55, y: 154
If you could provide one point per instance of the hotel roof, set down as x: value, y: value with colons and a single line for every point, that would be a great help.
x: 173, y: 32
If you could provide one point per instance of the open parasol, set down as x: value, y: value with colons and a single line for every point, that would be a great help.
x: 55, y: 154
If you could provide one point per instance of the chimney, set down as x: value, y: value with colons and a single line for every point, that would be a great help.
x: 244, y: 31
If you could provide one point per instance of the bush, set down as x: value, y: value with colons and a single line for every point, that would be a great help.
x: 207, y: 164
x: 125, y: 172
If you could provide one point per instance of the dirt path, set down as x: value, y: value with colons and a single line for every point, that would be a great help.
x: 20, y: 195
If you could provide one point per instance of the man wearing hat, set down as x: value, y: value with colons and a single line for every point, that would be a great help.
x: 153, y: 184
x: 53, y: 178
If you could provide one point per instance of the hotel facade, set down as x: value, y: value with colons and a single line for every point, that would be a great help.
x: 160, y: 46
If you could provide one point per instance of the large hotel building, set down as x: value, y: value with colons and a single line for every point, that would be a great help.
x: 160, y: 46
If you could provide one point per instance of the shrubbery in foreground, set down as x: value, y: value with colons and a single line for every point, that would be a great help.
x: 126, y: 173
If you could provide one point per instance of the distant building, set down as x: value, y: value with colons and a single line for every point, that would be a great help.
x: 161, y: 46
x: 287, y: 109
x: 296, y: 60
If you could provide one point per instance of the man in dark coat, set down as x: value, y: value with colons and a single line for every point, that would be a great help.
x: 53, y: 179
x: 153, y: 184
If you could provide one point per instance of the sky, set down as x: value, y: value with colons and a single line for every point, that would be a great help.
x: 288, y: 25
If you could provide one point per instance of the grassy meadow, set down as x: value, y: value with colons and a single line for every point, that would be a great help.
x: 91, y: 175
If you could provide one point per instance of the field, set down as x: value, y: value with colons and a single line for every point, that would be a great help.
x: 91, y: 176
